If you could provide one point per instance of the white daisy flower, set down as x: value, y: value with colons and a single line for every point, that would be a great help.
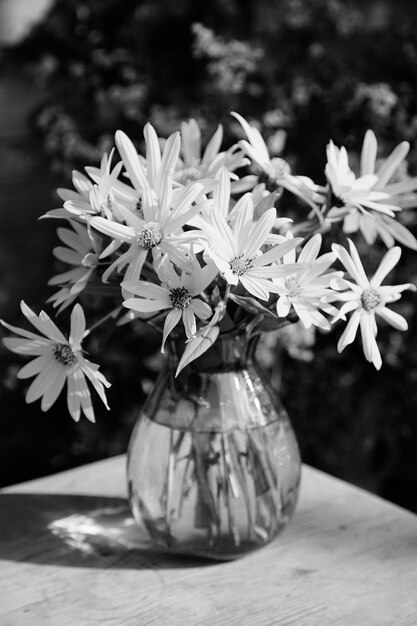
x: 276, y: 172
x: 80, y: 193
x: 366, y: 299
x: 350, y: 193
x: 373, y: 224
x: 305, y: 291
x: 223, y: 203
x: 97, y: 196
x: 58, y: 360
x: 82, y: 252
x: 237, y: 250
x: 402, y: 194
x: 177, y: 293
x: 197, y: 166
x: 157, y: 226
x: 109, y: 189
x: 386, y: 168
x: 158, y: 232
x: 79, y: 196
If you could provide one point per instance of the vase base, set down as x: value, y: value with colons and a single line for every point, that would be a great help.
x: 222, y: 551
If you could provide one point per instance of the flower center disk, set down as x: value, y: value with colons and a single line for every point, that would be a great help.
x: 336, y: 202
x: 271, y: 177
x: 370, y: 299
x: 90, y: 260
x: 187, y: 174
x: 180, y: 297
x: 150, y: 235
x: 239, y: 265
x: 64, y: 354
x: 293, y: 287
x: 280, y: 167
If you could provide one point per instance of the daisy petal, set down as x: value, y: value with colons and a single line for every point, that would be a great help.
x: 370, y: 347
x: 67, y: 256
x: 256, y: 286
x: 392, y: 162
x: 131, y: 161
x: 229, y: 244
x: 358, y: 263
x: 56, y: 384
x: 200, y: 308
x: 145, y: 289
x: 206, y: 276
x: 243, y: 223
x: 351, y: 268
x: 43, y: 323
x: 183, y: 205
x: 260, y: 230
x: 22, y: 332
x: 368, y: 155
x: 303, y: 314
x: 191, y: 142
x: 279, y: 251
x: 71, y: 276
x: 113, y: 229
x: 70, y: 238
x: 169, y: 159
x: 83, y: 393
x: 388, y: 291
x: 213, y: 146
x: 146, y: 306
x: 259, y: 148
x: 77, y: 326
x: 275, y: 271
x: 171, y: 321
x: 165, y: 199
x: 395, y: 319
x: 283, y: 306
x: 389, y: 261
x: 73, y: 401
x: 31, y: 347
x: 42, y: 381
x: 349, y: 306
x: 176, y: 253
x: 34, y: 367
x: 221, y: 194
x: 96, y: 379
x: 153, y: 153
x: 311, y: 249
x: 135, y: 266
x: 350, y: 331
x: 188, y: 319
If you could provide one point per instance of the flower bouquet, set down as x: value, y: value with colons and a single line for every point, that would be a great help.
x: 181, y: 240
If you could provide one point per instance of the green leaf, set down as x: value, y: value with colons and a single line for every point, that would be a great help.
x: 269, y: 324
x: 264, y: 205
x: 251, y: 305
x: 196, y: 346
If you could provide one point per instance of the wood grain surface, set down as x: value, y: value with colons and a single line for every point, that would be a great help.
x: 71, y: 555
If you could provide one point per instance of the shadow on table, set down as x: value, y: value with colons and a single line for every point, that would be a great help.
x: 77, y: 531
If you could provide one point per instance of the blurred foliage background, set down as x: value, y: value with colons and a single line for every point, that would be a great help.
x: 306, y: 71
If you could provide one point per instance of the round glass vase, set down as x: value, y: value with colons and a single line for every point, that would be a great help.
x: 213, y: 465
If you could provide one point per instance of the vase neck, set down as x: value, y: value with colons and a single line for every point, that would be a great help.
x: 231, y: 351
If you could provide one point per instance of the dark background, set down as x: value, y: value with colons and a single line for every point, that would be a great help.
x: 316, y: 69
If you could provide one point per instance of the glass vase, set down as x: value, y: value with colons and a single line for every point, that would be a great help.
x: 213, y: 465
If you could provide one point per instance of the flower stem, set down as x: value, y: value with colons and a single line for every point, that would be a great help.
x: 113, y: 313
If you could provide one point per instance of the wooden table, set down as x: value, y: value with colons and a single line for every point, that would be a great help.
x: 70, y: 554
